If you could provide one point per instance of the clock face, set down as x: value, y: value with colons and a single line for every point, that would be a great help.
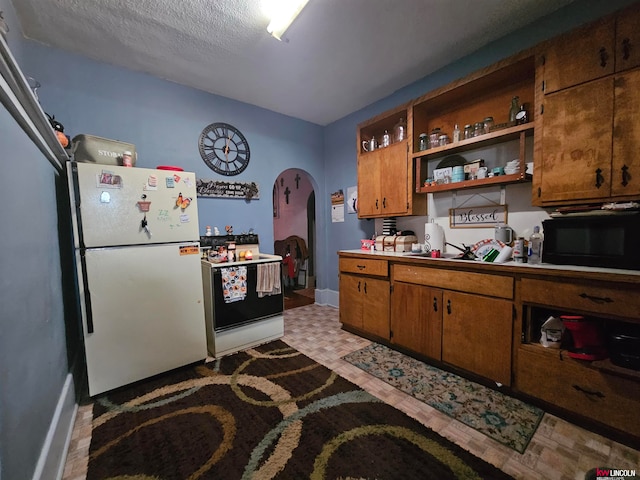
x: 224, y: 149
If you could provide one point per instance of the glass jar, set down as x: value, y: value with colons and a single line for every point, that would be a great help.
x: 488, y: 123
x: 434, y: 138
x: 443, y: 140
x: 468, y: 131
x: 478, y: 129
x: 423, y: 144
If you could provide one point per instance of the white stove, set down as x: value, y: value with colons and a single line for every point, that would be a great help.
x: 236, y: 325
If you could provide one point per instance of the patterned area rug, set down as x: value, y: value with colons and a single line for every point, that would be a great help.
x: 266, y: 413
x: 503, y: 418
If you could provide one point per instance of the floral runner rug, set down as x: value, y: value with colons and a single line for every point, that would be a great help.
x: 501, y: 417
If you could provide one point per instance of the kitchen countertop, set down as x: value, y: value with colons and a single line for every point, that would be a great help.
x: 508, y: 267
x: 262, y: 258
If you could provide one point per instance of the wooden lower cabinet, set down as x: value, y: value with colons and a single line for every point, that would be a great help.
x: 364, y: 304
x: 477, y: 334
x: 556, y: 378
x: 416, y: 319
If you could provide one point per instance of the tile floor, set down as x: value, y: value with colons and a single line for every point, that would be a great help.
x: 558, y: 450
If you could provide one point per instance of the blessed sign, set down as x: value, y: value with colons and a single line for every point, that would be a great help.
x: 475, y: 217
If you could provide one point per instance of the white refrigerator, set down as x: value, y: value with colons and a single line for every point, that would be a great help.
x: 139, y: 284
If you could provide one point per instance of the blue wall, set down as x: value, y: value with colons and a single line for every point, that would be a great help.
x: 38, y: 339
x: 340, y: 139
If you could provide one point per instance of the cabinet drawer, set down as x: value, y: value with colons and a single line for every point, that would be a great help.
x: 586, y: 391
x: 367, y: 266
x: 620, y: 302
x: 470, y: 282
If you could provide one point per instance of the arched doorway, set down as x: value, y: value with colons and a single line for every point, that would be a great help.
x: 294, y: 233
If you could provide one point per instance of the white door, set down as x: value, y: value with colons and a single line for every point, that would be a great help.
x: 147, y: 313
x: 112, y: 202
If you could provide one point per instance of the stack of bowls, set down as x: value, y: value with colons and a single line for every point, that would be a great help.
x: 457, y: 174
x: 512, y: 167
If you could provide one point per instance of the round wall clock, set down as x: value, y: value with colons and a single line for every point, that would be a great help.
x: 224, y: 149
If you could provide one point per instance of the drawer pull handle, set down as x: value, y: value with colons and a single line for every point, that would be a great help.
x: 604, y: 56
x: 358, y: 286
x: 626, y: 49
x: 588, y: 392
x: 599, y: 178
x: 365, y: 287
x: 599, y: 300
x: 435, y: 304
x: 625, y: 175
x: 361, y: 267
x: 449, y: 307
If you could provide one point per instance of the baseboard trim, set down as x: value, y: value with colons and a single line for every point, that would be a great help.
x: 327, y: 297
x: 53, y: 455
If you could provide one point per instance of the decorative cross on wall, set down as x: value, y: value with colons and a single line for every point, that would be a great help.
x: 286, y: 194
x: 297, y: 179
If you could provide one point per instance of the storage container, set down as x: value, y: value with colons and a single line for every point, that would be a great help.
x: 92, y: 149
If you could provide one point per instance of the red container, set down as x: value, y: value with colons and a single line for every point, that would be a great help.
x: 588, y: 341
x: 170, y: 167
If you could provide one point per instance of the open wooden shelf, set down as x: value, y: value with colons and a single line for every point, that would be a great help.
x: 488, y: 139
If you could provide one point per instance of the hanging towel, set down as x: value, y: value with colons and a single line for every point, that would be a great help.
x: 268, y: 282
x: 234, y: 283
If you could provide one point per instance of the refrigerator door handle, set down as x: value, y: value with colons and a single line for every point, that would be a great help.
x: 87, y: 294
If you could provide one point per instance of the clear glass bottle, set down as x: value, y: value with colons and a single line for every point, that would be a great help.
x: 400, y: 131
x: 386, y: 139
x: 456, y: 133
x: 478, y: 129
x: 513, y: 111
x: 535, y: 246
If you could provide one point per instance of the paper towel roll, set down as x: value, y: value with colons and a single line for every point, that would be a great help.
x: 504, y: 255
x: 433, y: 237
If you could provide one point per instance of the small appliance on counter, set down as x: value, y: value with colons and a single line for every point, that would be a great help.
x: 587, y: 340
x: 395, y: 243
x: 624, y: 345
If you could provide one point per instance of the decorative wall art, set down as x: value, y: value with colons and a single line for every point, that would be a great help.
x: 226, y: 189
x: 477, y: 217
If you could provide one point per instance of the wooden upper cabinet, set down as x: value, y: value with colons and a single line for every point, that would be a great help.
x: 582, y: 55
x: 577, y: 143
x: 625, y: 168
x: 385, y: 175
x: 628, y: 39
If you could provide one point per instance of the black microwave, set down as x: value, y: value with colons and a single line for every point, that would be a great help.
x: 609, y: 240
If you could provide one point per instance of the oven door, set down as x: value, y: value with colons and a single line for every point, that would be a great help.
x: 250, y: 309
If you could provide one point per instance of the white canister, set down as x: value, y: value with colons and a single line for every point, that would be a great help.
x: 433, y: 237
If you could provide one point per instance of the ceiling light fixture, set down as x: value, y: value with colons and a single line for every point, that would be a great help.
x: 282, y: 13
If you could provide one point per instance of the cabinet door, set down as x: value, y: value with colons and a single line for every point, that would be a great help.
x: 628, y: 39
x: 394, y: 184
x: 477, y: 335
x: 577, y: 142
x: 369, y: 203
x: 351, y: 287
x: 375, y: 307
x: 580, y: 56
x: 625, y: 173
x: 416, y: 318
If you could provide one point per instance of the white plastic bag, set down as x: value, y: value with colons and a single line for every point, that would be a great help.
x: 551, y: 333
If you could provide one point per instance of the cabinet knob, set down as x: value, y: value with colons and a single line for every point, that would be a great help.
x: 604, y: 57
x: 626, y: 49
x: 384, y: 202
x: 625, y: 175
x: 449, y: 307
x: 599, y: 178
x: 435, y: 304
x: 358, y: 286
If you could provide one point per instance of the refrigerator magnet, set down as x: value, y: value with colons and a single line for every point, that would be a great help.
x: 176, y: 178
x: 187, y: 181
x: 184, y: 218
x: 152, y: 183
x: 170, y: 182
x: 107, y: 179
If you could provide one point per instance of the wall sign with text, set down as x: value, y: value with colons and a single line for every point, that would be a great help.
x: 226, y: 189
x: 476, y: 217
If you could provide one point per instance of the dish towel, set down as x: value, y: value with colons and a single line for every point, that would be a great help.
x: 234, y: 283
x: 268, y: 282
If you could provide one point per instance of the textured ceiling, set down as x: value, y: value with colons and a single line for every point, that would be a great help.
x: 337, y: 57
